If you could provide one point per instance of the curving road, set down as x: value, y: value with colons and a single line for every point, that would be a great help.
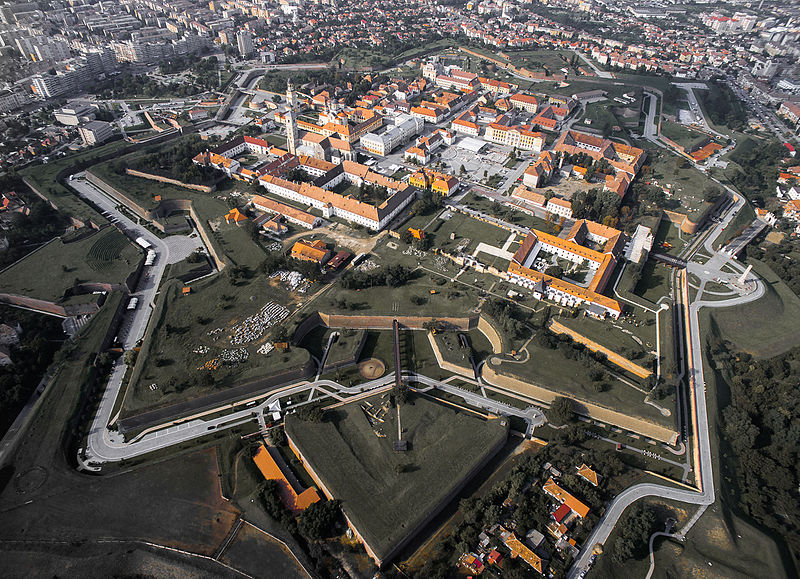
x: 702, y: 451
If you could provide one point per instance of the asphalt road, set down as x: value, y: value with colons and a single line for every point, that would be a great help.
x: 696, y: 378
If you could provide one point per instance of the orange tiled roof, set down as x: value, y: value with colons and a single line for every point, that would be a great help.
x: 271, y: 471
x: 563, y: 497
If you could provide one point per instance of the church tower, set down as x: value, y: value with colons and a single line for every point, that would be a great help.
x: 290, y: 96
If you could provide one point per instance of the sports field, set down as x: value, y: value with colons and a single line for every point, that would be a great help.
x: 388, y: 494
x: 105, y: 256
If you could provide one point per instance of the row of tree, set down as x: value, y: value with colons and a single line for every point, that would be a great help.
x: 393, y: 276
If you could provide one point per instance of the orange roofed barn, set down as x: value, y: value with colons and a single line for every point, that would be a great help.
x: 271, y: 471
x: 315, y: 251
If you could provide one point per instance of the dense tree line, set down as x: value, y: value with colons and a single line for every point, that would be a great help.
x: 634, y: 530
x: 723, y: 106
x: 174, y: 162
x: 782, y: 259
x: 529, y: 507
x: 509, y: 316
x: 761, y: 429
x: 572, y: 350
x: 596, y: 205
x: 393, y: 276
x: 26, y: 232
x: 760, y: 163
x: 276, y: 260
x: 318, y: 521
x: 140, y: 85
x: 40, y: 339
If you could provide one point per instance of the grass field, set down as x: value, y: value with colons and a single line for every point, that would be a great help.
x: 764, y: 328
x: 687, y: 183
x: 538, y: 60
x: 388, y: 494
x: 174, y: 502
x: 654, y: 283
x: 619, y: 335
x: 344, y: 348
x: 552, y: 370
x: 43, y: 177
x: 682, y: 135
x: 183, y: 324
x: 485, y: 205
x: 105, y: 256
x: 451, y: 350
x: 743, y: 219
x: 735, y: 549
x: 464, y: 227
x: 140, y: 190
x: 253, y: 552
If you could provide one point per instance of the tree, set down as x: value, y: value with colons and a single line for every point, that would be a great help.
x: 555, y: 271
x: 401, y: 393
x: 311, y: 414
x: 634, y: 536
x: 319, y: 519
x: 560, y: 411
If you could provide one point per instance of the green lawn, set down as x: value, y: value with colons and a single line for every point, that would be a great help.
x: 185, y: 323
x: 140, y: 190
x: 552, y: 370
x: 614, y: 334
x: 44, y: 178
x: 465, y: 227
x: 450, y: 347
x: 739, y: 223
x: 764, y: 328
x: 539, y: 59
x: 104, y: 256
x: 654, y: 283
x: 681, y: 134
x: 344, y: 348
x: 363, y: 471
x: 687, y: 183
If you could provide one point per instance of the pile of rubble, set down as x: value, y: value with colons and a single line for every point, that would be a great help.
x: 253, y: 327
x: 367, y: 265
x: 294, y: 280
x: 234, y: 356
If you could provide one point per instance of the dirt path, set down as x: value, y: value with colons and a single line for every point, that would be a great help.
x: 336, y: 231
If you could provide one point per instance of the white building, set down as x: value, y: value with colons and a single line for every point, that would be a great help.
x: 95, y: 132
x: 405, y: 127
x: 244, y: 42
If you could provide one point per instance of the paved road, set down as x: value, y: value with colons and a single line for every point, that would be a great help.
x: 170, y: 250
x: 531, y: 415
x: 702, y: 457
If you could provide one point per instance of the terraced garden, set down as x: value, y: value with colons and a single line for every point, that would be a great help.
x: 107, y: 249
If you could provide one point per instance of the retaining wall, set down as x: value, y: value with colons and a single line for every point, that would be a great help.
x: 385, y: 322
x: 449, y: 366
x: 160, y: 179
